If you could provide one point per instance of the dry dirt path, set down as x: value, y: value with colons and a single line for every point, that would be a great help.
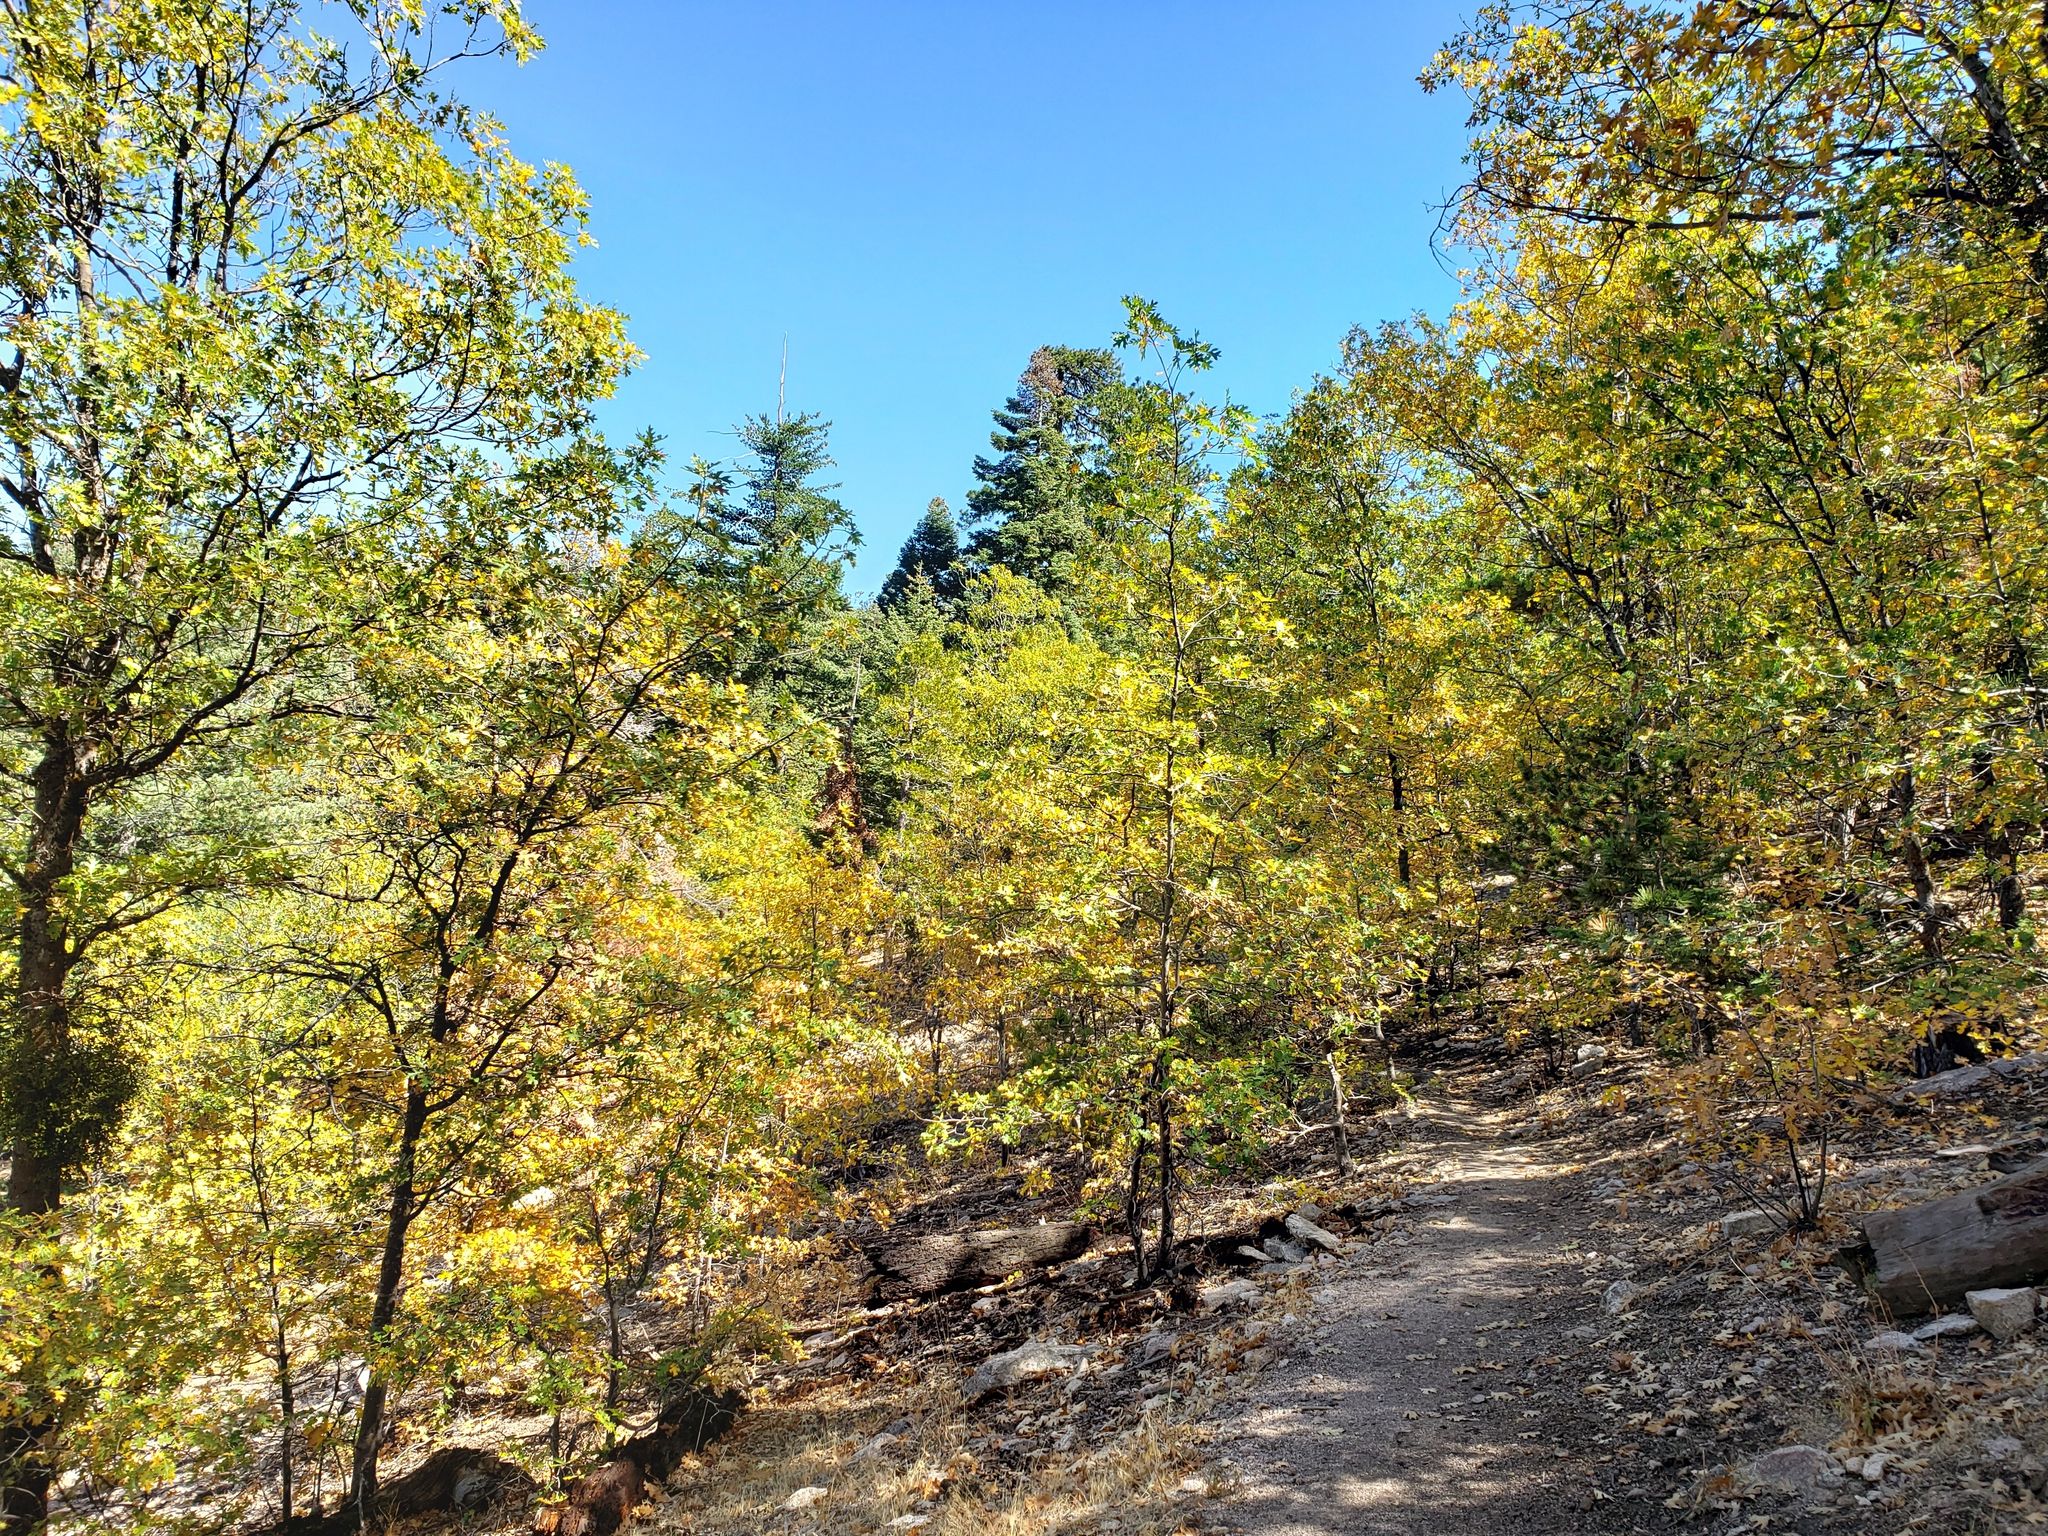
x: 1428, y: 1394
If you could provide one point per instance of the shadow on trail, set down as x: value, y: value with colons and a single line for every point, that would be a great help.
x: 1428, y: 1397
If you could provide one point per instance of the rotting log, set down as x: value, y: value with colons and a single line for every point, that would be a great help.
x: 603, y: 1501
x: 456, y: 1479
x: 1928, y: 1255
x: 931, y: 1266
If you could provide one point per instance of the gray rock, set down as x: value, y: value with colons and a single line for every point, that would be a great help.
x: 1794, y: 1469
x: 1749, y: 1223
x: 2006, y: 1312
x: 1233, y: 1293
x: 1873, y: 1466
x: 1027, y: 1362
x: 1619, y: 1296
x: 1954, y: 1326
x: 804, y: 1498
x: 472, y: 1488
x: 1157, y: 1346
x: 1893, y: 1342
x: 875, y: 1447
x: 2020, y: 1066
x: 1591, y: 1059
x: 1948, y: 1085
x: 1305, y: 1228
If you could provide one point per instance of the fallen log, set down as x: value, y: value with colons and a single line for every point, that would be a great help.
x: 931, y: 1266
x: 604, y: 1500
x: 456, y: 1479
x: 1928, y: 1255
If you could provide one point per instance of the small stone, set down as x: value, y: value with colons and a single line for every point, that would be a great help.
x: 1026, y: 1362
x: 875, y: 1447
x: 1795, y: 1468
x: 1873, y: 1467
x: 1305, y: 1228
x: 1308, y: 1210
x: 1233, y: 1293
x: 1893, y: 1342
x: 804, y: 1498
x: 1751, y: 1223
x: 909, y: 1522
x: 1619, y: 1295
x: 1955, y: 1325
x: 1156, y: 1346
x: 1196, y: 1485
x: 1591, y: 1059
x: 2005, y: 1313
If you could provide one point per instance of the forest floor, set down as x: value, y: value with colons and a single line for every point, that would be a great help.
x: 1546, y: 1319
x: 1550, y: 1333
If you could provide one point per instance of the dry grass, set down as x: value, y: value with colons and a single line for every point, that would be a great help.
x: 932, y: 1473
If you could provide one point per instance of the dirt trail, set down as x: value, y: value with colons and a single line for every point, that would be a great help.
x: 1427, y: 1393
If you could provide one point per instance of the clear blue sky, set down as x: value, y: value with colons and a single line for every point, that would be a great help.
x: 917, y: 193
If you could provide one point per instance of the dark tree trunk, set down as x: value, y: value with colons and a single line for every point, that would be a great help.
x: 384, y: 1306
x: 44, y: 959
x: 37, y: 1085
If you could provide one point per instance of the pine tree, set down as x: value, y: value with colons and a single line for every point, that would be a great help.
x: 1029, y: 513
x: 933, y: 552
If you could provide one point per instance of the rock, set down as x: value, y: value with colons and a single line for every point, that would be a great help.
x: 1591, y: 1059
x: 1619, y: 1296
x: 1027, y: 1362
x: 1751, y: 1223
x: 1247, y: 1251
x: 875, y: 1447
x: 1591, y: 1052
x: 1196, y: 1485
x: 1234, y: 1293
x: 2002, y: 1448
x: 909, y: 1522
x: 1873, y: 1467
x: 2020, y: 1066
x: 1954, y: 1326
x: 1893, y: 1342
x: 1948, y: 1085
x: 1793, y: 1468
x: 804, y: 1498
x: 1305, y: 1228
x: 2005, y: 1313
x: 1157, y: 1346
x: 1308, y: 1210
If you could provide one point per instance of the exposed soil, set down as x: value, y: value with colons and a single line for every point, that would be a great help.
x: 1422, y: 1397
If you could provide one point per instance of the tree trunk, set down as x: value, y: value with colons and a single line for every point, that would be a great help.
x: 1166, y: 1172
x: 37, y: 1083
x: 1930, y: 1254
x: 384, y: 1307
x: 932, y: 1266
x: 1337, y: 1112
